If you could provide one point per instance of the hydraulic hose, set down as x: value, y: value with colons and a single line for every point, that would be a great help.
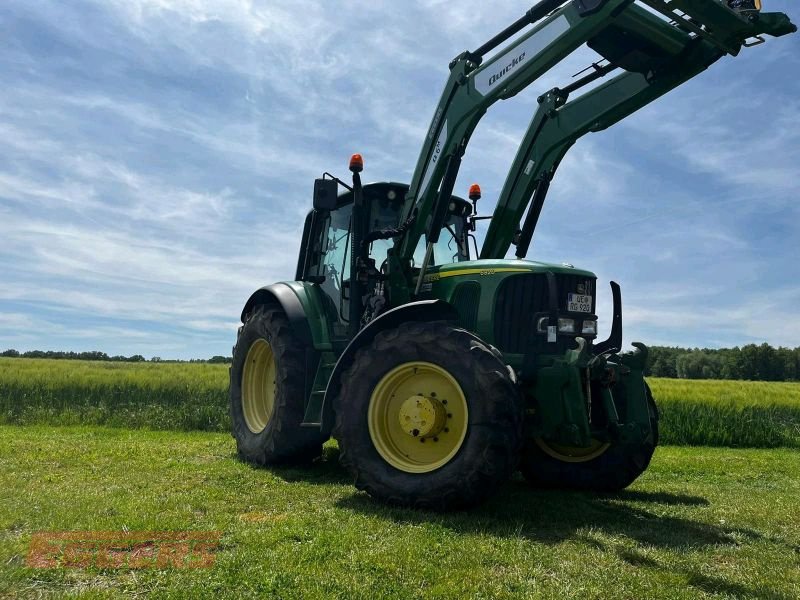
x: 536, y: 13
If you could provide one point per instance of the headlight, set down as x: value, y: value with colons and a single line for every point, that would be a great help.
x: 590, y: 327
x: 566, y: 325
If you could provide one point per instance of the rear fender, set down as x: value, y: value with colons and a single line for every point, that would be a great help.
x: 298, y: 303
x: 284, y: 296
x: 423, y: 310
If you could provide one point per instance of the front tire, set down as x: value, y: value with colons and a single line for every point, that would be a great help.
x: 603, y: 467
x: 267, y: 392
x: 428, y: 417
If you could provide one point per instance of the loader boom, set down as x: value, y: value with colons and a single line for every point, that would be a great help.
x: 558, y: 124
x: 656, y: 55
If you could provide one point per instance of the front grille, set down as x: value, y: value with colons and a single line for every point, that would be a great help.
x: 521, y: 299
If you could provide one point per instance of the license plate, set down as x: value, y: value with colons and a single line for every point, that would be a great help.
x: 579, y: 303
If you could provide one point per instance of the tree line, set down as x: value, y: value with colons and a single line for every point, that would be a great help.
x: 752, y: 362
x: 102, y: 356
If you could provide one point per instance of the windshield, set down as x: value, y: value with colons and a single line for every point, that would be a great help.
x: 447, y: 250
x: 384, y: 214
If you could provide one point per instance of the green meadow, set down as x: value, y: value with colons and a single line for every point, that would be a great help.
x: 128, y: 447
x: 193, y: 396
x: 700, y: 523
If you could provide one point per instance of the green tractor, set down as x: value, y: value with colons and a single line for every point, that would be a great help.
x: 440, y: 368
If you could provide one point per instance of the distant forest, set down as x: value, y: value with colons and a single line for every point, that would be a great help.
x: 94, y: 355
x: 751, y: 362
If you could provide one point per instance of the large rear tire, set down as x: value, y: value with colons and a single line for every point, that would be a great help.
x: 428, y: 417
x: 603, y: 467
x: 266, y: 392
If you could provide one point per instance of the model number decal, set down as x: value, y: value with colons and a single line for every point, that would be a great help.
x: 433, y: 277
x: 437, y: 151
x: 435, y: 123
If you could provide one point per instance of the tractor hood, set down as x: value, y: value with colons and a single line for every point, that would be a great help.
x: 488, y: 267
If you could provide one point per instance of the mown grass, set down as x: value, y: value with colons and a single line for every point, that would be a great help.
x: 194, y: 397
x: 700, y: 523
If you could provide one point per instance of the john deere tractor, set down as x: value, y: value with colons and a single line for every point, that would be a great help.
x: 440, y: 368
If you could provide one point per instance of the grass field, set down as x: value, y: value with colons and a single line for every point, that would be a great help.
x: 194, y: 397
x: 701, y: 522
x: 754, y: 414
x: 182, y: 396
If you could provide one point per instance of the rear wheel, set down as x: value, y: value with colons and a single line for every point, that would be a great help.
x: 601, y: 467
x: 266, y: 392
x: 429, y: 417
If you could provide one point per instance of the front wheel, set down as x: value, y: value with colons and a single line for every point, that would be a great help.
x: 607, y: 467
x: 428, y: 416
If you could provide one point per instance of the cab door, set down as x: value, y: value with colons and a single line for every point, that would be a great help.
x: 327, y: 262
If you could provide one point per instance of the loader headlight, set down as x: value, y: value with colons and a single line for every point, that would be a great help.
x: 566, y: 325
x: 590, y: 327
x: 541, y: 325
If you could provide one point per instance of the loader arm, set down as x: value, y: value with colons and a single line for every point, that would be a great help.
x: 557, y: 125
x: 700, y: 33
x: 473, y: 87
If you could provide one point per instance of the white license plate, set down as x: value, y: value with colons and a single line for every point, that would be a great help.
x: 579, y: 303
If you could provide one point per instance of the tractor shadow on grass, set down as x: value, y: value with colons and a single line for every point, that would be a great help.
x: 700, y: 581
x: 543, y: 516
x: 650, y: 518
x: 554, y: 516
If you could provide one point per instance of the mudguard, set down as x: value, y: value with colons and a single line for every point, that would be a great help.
x: 282, y: 294
x: 423, y: 310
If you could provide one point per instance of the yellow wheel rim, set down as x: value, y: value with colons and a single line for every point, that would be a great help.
x: 258, y: 386
x: 572, y: 454
x: 417, y: 417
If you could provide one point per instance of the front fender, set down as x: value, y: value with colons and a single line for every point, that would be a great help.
x: 423, y: 310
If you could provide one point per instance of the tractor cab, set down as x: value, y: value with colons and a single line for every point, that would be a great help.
x: 327, y: 247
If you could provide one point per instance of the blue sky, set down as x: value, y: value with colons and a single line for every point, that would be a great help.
x: 157, y: 159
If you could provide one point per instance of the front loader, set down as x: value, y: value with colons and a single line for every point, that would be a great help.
x: 439, y: 367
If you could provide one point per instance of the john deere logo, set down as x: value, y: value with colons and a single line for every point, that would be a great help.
x: 581, y: 288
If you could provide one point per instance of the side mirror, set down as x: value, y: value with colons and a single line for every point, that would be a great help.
x: 325, y: 194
